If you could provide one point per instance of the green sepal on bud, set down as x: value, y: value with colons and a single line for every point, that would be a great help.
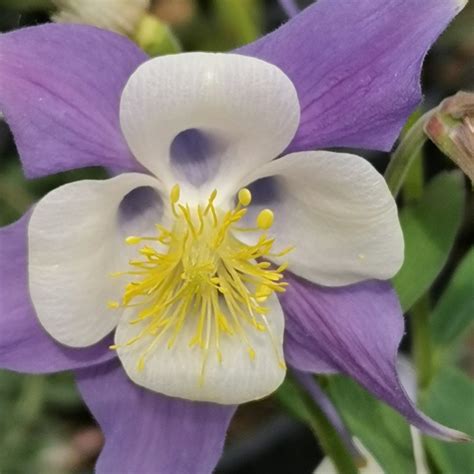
x: 450, y: 126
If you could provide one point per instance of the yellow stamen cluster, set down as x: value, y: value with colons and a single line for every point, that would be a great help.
x: 199, y: 273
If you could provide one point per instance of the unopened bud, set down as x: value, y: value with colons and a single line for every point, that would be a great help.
x: 121, y: 16
x: 451, y: 128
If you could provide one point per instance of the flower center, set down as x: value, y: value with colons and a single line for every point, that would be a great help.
x: 197, y: 272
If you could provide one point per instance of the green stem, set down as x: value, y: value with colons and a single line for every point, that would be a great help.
x: 414, y: 180
x: 295, y: 399
x: 405, y: 155
x: 412, y: 188
x: 329, y: 440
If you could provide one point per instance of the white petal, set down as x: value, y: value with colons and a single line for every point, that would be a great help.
x: 246, y: 108
x: 337, y: 211
x: 75, y: 240
x: 176, y: 371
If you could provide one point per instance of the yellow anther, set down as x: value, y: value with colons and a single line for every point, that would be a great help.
x: 245, y: 197
x: 213, y: 195
x: 282, y: 267
x: 263, y: 293
x: 174, y: 198
x: 147, y: 251
x: 174, y: 194
x: 265, y: 219
x: 133, y: 240
x: 113, y: 304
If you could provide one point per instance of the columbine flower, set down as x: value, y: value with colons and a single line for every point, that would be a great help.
x: 199, y: 293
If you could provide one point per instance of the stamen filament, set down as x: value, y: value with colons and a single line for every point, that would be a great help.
x: 199, y: 273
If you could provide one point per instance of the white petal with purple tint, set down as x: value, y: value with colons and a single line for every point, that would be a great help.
x: 75, y: 241
x: 246, y: 109
x: 337, y: 212
x: 24, y: 344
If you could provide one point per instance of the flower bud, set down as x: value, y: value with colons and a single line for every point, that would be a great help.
x: 121, y: 16
x: 451, y: 127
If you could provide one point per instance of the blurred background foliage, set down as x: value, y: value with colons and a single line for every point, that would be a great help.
x: 44, y: 426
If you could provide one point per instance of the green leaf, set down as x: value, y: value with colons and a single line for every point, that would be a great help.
x: 429, y: 227
x: 449, y: 400
x: 381, y: 429
x: 455, y: 310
